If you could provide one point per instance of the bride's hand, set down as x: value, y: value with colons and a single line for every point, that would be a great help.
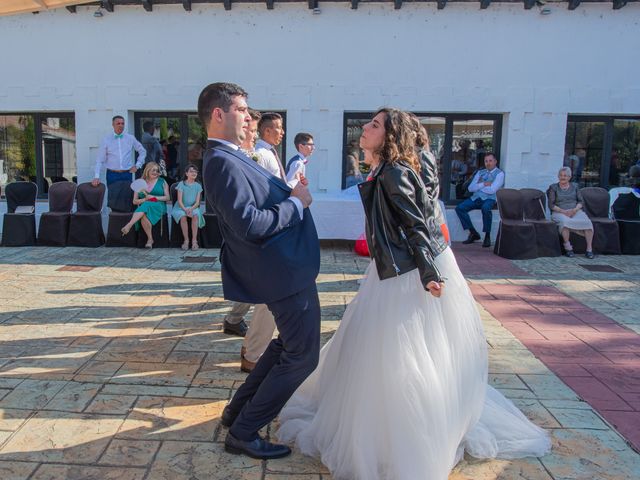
x: 435, y: 288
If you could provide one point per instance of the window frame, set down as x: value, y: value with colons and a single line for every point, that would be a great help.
x: 184, y: 115
x: 607, y: 140
x: 37, y: 128
x: 450, y: 118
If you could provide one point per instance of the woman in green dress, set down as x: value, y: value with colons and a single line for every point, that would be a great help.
x: 150, y: 201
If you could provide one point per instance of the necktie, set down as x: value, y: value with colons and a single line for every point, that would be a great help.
x: 283, y: 176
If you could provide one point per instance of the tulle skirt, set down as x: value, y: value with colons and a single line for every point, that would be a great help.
x: 401, y: 388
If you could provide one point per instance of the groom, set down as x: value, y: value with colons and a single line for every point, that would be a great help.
x: 271, y: 255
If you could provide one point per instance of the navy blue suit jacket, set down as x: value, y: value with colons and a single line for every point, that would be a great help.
x: 268, y: 252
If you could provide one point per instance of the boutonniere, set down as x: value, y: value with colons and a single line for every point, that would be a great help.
x: 252, y: 155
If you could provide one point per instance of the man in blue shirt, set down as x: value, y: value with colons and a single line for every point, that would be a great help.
x: 483, y: 186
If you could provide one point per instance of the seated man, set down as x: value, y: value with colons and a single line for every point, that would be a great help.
x: 485, y: 184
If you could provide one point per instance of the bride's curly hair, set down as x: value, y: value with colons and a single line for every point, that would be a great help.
x: 422, y: 137
x: 399, y: 138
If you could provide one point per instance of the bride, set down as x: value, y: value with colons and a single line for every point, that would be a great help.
x: 401, y: 388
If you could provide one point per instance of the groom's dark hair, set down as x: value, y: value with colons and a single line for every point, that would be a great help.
x: 217, y: 95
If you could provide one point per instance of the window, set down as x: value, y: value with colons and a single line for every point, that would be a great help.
x: 183, y: 138
x: 459, y: 142
x: 37, y: 147
x: 600, y: 150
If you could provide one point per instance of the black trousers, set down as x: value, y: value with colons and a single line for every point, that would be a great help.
x: 287, y: 362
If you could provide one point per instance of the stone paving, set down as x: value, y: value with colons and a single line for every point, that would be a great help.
x: 113, y: 364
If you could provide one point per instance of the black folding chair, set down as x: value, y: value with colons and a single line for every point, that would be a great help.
x: 626, y: 211
x: 120, y: 199
x: 516, y: 238
x: 534, y: 208
x: 85, y: 226
x: 606, y: 238
x: 19, y: 228
x: 54, y: 224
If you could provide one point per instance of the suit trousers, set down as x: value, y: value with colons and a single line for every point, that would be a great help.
x: 287, y: 362
x: 259, y: 334
x: 463, y: 209
x: 237, y: 313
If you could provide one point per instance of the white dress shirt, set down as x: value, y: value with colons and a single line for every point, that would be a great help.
x: 297, y: 166
x: 116, y: 153
x: 477, y: 186
x: 267, y: 159
x: 296, y: 201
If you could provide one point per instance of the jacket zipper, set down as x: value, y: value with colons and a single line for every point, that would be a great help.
x: 384, y: 230
x: 406, y: 240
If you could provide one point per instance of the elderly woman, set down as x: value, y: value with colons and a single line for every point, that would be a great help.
x: 565, y: 203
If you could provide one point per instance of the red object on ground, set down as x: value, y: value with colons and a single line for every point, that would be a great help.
x: 361, y: 247
x: 445, y: 233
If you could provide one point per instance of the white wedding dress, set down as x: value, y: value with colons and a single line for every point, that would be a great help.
x: 401, y: 389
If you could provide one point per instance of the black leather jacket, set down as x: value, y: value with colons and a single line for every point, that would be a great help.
x: 433, y: 213
x: 395, y: 202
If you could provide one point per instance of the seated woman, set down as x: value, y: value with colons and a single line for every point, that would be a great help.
x: 565, y: 203
x: 188, y: 206
x: 151, y: 202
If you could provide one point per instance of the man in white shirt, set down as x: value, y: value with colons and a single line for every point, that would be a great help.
x: 298, y: 163
x: 116, y: 154
x: 483, y: 186
x: 271, y: 134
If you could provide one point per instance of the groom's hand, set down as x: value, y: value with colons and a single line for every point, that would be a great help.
x: 301, y: 192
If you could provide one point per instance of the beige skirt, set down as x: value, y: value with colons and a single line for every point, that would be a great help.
x: 579, y: 222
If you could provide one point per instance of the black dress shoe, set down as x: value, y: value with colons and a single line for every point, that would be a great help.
x: 473, y: 236
x: 228, y: 417
x: 487, y: 241
x: 238, y: 329
x: 257, y: 448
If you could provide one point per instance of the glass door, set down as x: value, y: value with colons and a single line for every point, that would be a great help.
x: 168, y: 129
x: 471, y: 139
x: 584, y: 149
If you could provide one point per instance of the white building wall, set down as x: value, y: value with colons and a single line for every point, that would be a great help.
x: 534, y: 69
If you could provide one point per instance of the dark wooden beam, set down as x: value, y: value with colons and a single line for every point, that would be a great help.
x: 397, y: 4
x: 484, y: 4
x: 528, y: 4
x: 148, y: 5
x: 72, y: 8
x: 227, y: 4
x: 618, y: 4
x: 354, y: 4
x: 573, y: 4
x: 313, y: 4
x: 107, y: 5
x: 442, y: 4
x: 186, y: 4
x: 270, y: 4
